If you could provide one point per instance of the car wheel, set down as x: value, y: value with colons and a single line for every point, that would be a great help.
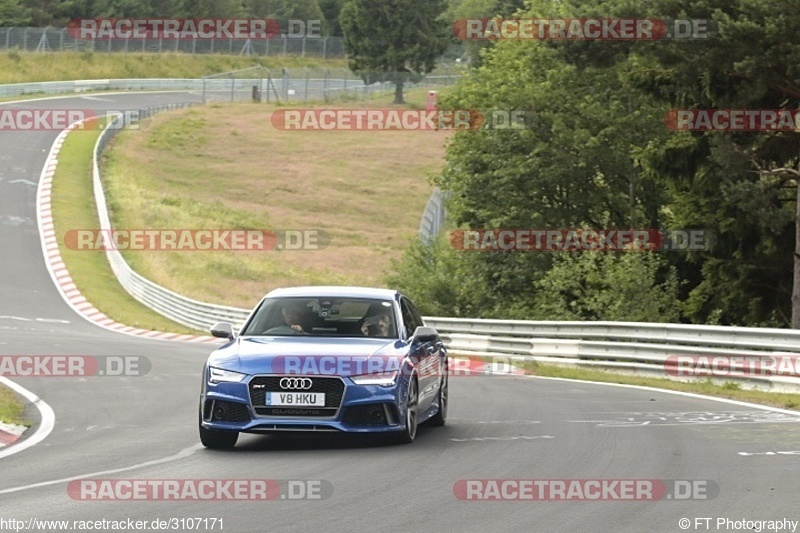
x: 218, y: 440
x: 408, y: 434
x: 440, y: 418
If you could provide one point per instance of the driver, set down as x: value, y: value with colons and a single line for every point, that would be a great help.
x: 292, y: 314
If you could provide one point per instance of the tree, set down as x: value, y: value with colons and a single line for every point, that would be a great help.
x: 331, y: 9
x: 479, y: 9
x: 576, y: 163
x: 393, y: 40
x: 13, y: 13
x: 625, y: 287
x: 598, y: 131
x: 734, y: 183
x: 214, y: 8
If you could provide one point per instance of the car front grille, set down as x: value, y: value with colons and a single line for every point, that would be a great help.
x: 332, y: 387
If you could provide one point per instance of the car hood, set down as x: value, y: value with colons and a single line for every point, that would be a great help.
x: 269, y: 355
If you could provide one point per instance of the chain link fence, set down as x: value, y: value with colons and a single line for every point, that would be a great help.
x: 261, y: 84
x: 60, y: 40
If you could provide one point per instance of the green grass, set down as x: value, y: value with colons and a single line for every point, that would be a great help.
x: 730, y: 390
x: 225, y: 166
x: 73, y: 208
x: 26, y: 67
x: 11, y: 409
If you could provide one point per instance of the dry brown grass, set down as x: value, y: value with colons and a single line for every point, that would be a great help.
x: 226, y: 166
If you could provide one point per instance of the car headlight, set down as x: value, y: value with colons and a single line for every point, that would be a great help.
x: 217, y: 375
x: 385, y: 379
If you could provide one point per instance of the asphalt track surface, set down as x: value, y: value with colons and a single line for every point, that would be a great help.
x: 500, y: 427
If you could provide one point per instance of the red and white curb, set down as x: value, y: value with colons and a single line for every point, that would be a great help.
x: 10, y: 433
x: 60, y: 274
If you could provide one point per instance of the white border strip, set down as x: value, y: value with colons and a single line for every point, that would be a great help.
x: 186, y: 452
x: 58, y: 270
x: 679, y: 393
x: 46, y: 425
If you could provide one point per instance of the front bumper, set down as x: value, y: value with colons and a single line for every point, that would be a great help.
x: 359, y: 408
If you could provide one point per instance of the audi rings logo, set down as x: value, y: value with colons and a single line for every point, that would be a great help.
x: 296, y: 383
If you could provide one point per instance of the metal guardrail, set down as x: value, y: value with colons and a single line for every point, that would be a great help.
x: 637, y: 347
x: 190, y: 313
x: 299, y: 85
x: 434, y: 216
x: 79, y: 86
x: 630, y: 346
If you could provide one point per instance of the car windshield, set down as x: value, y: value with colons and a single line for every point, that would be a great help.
x: 323, y: 317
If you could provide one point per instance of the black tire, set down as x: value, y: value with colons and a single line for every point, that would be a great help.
x: 218, y: 440
x: 440, y: 418
x: 409, y: 433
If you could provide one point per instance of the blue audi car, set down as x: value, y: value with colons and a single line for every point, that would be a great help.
x: 340, y: 359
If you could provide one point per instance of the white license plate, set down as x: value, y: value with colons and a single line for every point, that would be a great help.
x: 297, y: 399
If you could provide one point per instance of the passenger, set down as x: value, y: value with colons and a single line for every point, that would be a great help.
x: 379, y: 325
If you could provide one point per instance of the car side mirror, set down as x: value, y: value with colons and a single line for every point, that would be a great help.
x: 424, y: 334
x: 223, y: 330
